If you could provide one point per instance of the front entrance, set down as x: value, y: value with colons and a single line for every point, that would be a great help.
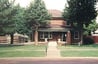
x: 63, y: 37
x: 52, y: 36
x: 58, y: 35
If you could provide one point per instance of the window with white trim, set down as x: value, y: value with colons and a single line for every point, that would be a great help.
x: 76, y: 35
x: 44, y: 35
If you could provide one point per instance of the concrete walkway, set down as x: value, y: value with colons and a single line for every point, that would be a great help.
x: 52, y: 50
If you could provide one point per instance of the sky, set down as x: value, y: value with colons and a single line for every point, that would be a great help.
x: 50, y: 4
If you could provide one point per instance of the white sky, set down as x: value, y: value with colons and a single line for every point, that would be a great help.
x: 50, y: 4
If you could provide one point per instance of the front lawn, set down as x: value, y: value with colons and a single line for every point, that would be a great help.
x: 22, y: 51
x: 79, y: 51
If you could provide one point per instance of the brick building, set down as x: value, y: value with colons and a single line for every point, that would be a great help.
x: 57, y: 30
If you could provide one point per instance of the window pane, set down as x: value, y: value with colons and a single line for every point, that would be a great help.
x: 45, y: 35
x: 50, y: 35
x: 76, y: 35
x: 41, y: 35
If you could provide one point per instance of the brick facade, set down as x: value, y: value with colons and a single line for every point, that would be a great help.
x: 56, y: 30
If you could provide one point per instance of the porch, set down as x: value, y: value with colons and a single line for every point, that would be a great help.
x: 52, y: 36
x: 59, y: 35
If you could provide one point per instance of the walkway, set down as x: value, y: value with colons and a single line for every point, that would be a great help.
x: 52, y: 50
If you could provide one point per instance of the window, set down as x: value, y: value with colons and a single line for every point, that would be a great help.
x: 44, y: 35
x: 76, y: 35
x: 50, y: 35
x: 41, y: 35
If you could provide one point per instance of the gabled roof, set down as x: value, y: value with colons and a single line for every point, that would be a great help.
x: 55, y: 13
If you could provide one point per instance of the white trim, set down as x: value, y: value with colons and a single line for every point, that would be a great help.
x: 76, y: 35
x: 94, y: 34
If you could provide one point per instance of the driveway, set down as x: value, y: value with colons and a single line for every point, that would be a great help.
x: 49, y: 61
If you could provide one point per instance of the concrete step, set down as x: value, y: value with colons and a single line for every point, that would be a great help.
x: 52, y: 44
x: 52, y: 50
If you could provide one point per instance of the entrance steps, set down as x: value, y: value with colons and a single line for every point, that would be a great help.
x: 52, y: 50
x: 52, y: 43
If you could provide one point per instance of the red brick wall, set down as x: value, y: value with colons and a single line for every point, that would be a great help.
x: 57, y: 22
x: 95, y: 39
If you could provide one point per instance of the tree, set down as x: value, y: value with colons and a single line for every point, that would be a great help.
x: 37, y: 15
x: 92, y: 27
x: 7, y: 13
x: 20, y: 21
x: 80, y: 12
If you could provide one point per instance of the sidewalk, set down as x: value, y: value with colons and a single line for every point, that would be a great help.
x: 52, y: 50
x: 47, y: 60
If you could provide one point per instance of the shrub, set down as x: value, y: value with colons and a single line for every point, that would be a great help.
x: 88, y: 40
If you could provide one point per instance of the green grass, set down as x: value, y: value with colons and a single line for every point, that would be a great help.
x: 22, y: 51
x: 79, y: 51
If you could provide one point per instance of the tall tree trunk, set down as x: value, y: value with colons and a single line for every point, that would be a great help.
x: 36, y: 36
x: 12, y: 38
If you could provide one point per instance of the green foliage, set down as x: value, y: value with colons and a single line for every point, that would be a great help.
x: 20, y: 21
x: 7, y: 12
x: 93, y: 26
x: 37, y: 13
x: 80, y: 11
x: 7, y: 17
